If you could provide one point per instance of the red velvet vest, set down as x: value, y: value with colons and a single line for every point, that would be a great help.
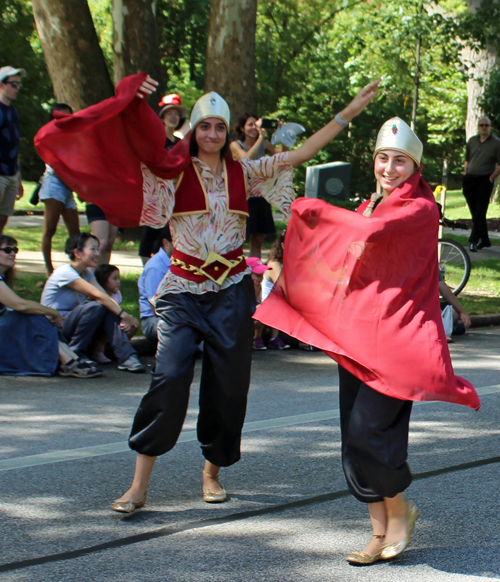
x: 191, y: 196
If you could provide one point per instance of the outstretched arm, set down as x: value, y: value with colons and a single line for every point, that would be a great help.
x: 325, y: 135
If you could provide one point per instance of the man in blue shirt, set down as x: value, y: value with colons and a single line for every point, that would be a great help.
x: 154, y: 271
x: 11, y: 187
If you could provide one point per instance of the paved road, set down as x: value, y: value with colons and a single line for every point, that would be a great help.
x: 63, y: 459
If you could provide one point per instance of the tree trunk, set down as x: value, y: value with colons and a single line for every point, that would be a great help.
x: 230, y: 68
x: 72, y: 53
x: 480, y: 65
x: 135, y: 41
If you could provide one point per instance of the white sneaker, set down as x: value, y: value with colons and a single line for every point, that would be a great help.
x: 132, y: 364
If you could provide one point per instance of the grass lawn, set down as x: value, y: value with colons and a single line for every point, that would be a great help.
x: 456, y: 208
x: 29, y: 239
x: 24, y: 203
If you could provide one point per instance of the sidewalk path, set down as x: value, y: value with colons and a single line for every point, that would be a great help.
x: 32, y: 261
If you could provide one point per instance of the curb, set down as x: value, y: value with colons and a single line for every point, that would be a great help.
x: 488, y: 320
x: 145, y: 347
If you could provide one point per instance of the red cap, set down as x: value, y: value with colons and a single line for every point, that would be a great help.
x: 172, y: 100
x: 257, y: 265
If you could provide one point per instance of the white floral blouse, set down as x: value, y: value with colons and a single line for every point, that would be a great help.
x: 218, y: 230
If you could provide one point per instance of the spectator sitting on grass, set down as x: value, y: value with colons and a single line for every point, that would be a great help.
x: 108, y: 277
x: 154, y: 271
x: 461, y: 319
x: 29, y: 339
x: 67, y: 290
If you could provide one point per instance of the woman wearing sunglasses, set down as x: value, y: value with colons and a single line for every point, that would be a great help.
x: 29, y: 339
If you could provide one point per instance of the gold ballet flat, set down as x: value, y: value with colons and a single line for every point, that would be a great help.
x: 210, y: 496
x: 362, y: 559
x: 129, y: 506
x: 390, y: 551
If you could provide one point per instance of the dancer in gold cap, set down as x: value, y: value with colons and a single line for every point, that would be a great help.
x: 374, y: 277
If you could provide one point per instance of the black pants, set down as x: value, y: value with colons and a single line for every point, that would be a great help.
x: 224, y: 322
x: 374, y: 431
x: 85, y: 321
x: 477, y: 192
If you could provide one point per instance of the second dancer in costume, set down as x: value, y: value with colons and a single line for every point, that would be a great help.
x: 374, y: 276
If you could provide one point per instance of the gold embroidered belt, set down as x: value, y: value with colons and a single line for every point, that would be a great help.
x: 215, y: 268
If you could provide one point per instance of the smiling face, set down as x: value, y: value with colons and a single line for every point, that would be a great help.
x: 7, y: 259
x: 89, y: 255
x: 392, y: 168
x: 250, y: 128
x: 171, y: 118
x: 210, y: 135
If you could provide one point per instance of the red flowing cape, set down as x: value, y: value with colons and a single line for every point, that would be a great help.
x: 365, y: 291
x: 98, y: 151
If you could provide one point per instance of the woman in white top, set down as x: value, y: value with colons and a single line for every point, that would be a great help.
x: 67, y: 289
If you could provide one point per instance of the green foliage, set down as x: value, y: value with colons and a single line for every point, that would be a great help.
x: 324, y: 52
x: 103, y: 22
x: 183, y: 32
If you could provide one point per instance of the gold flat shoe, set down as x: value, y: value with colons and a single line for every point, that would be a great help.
x: 129, y: 506
x: 210, y: 496
x: 362, y: 559
x: 390, y: 551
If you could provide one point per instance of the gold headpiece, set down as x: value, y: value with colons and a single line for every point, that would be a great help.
x: 395, y: 134
x: 210, y: 105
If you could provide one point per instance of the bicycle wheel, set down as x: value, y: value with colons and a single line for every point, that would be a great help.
x: 454, y: 262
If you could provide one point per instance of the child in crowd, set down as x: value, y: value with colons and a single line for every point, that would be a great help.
x: 108, y: 277
x: 270, y: 276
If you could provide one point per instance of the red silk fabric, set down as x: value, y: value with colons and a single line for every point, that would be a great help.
x: 98, y: 151
x: 365, y: 291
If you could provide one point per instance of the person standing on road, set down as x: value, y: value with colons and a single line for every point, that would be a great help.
x: 482, y: 166
x: 11, y: 186
x: 207, y: 295
x: 374, y: 278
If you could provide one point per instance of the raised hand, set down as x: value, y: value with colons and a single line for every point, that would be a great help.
x: 148, y: 86
x: 362, y: 99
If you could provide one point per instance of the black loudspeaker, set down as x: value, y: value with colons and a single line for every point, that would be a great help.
x: 329, y: 182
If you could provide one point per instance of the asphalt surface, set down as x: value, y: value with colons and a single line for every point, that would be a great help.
x: 64, y: 458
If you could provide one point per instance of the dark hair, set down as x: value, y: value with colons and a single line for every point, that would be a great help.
x: 8, y: 276
x: 77, y: 242
x: 193, y: 144
x: 103, y: 272
x: 59, y: 107
x: 276, y: 252
x: 163, y: 233
x: 240, y: 127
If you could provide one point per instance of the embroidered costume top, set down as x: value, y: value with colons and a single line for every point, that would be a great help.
x: 219, y: 230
